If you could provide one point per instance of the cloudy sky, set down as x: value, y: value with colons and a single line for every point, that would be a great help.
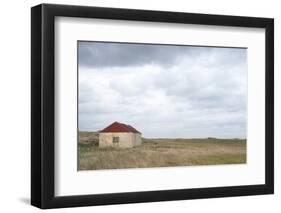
x: 163, y: 90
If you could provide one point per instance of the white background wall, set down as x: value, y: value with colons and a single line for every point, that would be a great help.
x: 15, y: 105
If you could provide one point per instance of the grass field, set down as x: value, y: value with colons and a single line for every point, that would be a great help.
x: 160, y: 153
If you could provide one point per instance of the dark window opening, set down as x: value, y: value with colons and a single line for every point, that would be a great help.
x: 115, y: 140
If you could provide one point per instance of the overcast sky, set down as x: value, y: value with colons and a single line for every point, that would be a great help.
x: 163, y: 90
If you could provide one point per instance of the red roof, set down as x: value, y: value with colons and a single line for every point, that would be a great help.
x: 119, y: 127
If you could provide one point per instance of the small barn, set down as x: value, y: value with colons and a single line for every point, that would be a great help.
x: 119, y: 135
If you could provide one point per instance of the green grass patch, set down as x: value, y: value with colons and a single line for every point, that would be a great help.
x: 160, y: 152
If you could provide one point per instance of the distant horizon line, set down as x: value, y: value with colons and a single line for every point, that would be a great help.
x: 209, y: 137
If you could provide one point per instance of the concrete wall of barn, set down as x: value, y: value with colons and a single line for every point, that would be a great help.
x: 126, y: 139
x: 137, y: 139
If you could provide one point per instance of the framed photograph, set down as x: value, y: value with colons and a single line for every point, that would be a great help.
x: 136, y: 106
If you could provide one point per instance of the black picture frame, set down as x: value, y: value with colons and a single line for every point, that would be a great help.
x: 43, y: 102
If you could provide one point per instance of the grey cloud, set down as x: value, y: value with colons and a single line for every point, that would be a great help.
x: 203, y: 94
x: 104, y: 54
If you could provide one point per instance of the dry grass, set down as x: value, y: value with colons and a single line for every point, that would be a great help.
x: 160, y: 153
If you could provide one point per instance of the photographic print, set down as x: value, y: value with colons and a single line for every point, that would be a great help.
x: 160, y: 105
